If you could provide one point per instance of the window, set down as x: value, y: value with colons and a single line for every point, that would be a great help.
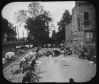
x: 86, y: 16
x: 89, y: 37
x: 86, y: 20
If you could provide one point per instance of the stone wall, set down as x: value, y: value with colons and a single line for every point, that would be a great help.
x: 68, y: 34
x: 78, y: 12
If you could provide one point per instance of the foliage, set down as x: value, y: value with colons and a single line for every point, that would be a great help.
x: 36, y: 21
x: 53, y: 35
x: 8, y: 29
x: 38, y: 27
x: 35, y: 9
x: 21, y: 16
x: 65, y: 20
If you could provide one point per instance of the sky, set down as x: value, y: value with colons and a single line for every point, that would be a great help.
x: 56, y: 9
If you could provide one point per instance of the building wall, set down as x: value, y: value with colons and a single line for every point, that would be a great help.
x: 68, y: 34
x: 78, y: 33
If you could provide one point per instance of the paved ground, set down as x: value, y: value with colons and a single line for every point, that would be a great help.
x: 60, y: 69
x: 57, y: 69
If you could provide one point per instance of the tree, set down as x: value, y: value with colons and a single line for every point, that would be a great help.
x: 8, y: 30
x: 36, y: 21
x: 35, y: 9
x: 65, y: 20
x: 45, y: 19
x: 21, y: 16
x: 38, y: 27
x: 53, y: 36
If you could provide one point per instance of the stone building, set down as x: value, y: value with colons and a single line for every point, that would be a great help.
x: 68, y: 35
x: 83, y: 25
